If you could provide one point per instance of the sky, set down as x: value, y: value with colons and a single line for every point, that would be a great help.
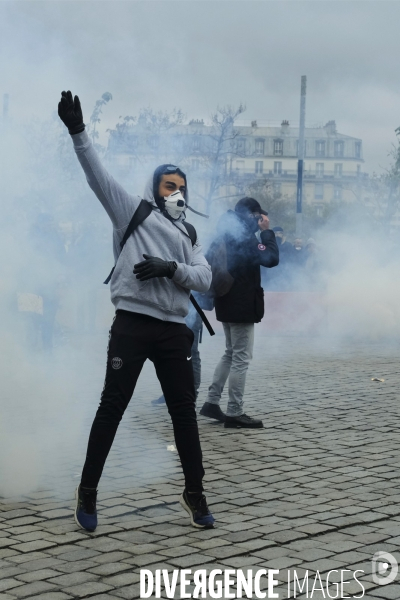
x: 196, y: 55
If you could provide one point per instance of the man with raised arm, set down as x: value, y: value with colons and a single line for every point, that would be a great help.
x: 150, y: 288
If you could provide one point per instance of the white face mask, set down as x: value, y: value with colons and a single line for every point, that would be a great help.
x: 175, y: 204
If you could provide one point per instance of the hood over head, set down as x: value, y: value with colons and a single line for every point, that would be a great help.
x: 151, y: 189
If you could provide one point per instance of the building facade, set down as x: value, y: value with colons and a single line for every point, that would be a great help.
x: 333, y: 162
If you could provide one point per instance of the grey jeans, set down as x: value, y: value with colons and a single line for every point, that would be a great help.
x: 234, y: 364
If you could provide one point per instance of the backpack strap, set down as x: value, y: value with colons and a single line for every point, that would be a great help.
x: 141, y: 213
x: 202, y: 315
x: 191, y: 232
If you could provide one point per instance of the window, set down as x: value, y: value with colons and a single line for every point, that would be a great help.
x: 259, y: 166
x: 297, y: 147
x: 319, y: 191
x: 241, y: 145
x: 319, y: 209
x: 277, y: 188
x: 358, y: 170
x: 338, y: 170
x: 358, y: 149
x: 277, y: 168
x: 240, y: 166
x: 196, y: 144
x: 320, y: 148
x: 195, y: 164
x: 338, y: 149
x: 319, y: 170
x: 337, y: 193
x: 259, y: 146
x: 278, y: 147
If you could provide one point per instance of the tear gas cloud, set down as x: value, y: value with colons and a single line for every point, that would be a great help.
x: 55, y: 240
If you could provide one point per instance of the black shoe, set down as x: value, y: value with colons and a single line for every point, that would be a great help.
x: 196, y: 506
x: 157, y: 401
x: 85, y: 511
x: 243, y: 421
x: 212, y: 411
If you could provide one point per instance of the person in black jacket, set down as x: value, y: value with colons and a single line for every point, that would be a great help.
x: 241, y: 307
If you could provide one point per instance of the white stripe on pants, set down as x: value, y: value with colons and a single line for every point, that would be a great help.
x: 239, y: 339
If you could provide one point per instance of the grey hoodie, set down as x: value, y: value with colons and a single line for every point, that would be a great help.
x: 162, y: 298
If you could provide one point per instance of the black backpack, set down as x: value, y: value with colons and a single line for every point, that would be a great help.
x: 222, y: 280
x: 141, y: 213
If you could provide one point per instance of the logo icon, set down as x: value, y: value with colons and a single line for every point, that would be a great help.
x: 116, y: 363
x: 262, y: 247
x: 382, y: 562
x: 189, y: 358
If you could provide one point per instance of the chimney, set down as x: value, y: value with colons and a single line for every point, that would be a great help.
x: 331, y: 127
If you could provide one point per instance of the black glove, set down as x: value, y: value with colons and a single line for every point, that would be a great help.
x: 70, y: 113
x: 154, y: 267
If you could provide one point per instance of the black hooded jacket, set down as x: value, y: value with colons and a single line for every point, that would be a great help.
x: 244, y: 303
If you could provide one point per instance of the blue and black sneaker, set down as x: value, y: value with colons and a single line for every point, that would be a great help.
x: 196, y: 506
x: 85, y: 511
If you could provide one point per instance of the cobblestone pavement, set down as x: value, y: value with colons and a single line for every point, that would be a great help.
x: 317, y: 489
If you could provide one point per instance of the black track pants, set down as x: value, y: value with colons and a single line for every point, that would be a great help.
x: 133, y: 339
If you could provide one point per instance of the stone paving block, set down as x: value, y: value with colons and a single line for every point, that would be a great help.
x: 129, y: 592
x: 35, y: 545
x: 9, y: 583
x: 32, y: 589
x: 104, y: 597
x: 390, y: 592
x: 51, y: 596
x: 71, y: 579
x: 122, y: 579
x: 78, y: 554
x: 87, y: 589
x: 110, y: 568
x: 38, y: 575
x: 75, y: 566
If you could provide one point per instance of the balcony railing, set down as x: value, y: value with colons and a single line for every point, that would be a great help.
x: 289, y: 174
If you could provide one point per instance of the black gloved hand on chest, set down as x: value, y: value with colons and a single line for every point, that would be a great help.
x: 70, y: 113
x: 154, y: 267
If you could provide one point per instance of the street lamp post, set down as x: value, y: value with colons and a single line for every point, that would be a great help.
x: 300, y: 163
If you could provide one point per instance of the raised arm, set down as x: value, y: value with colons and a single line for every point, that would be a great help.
x: 119, y: 205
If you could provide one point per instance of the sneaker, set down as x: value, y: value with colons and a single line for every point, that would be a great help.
x: 157, y: 401
x: 212, y: 411
x: 243, y: 421
x: 85, y: 512
x: 196, y: 506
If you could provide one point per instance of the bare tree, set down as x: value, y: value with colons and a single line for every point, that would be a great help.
x: 147, y: 137
x: 95, y: 120
x: 217, y: 158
